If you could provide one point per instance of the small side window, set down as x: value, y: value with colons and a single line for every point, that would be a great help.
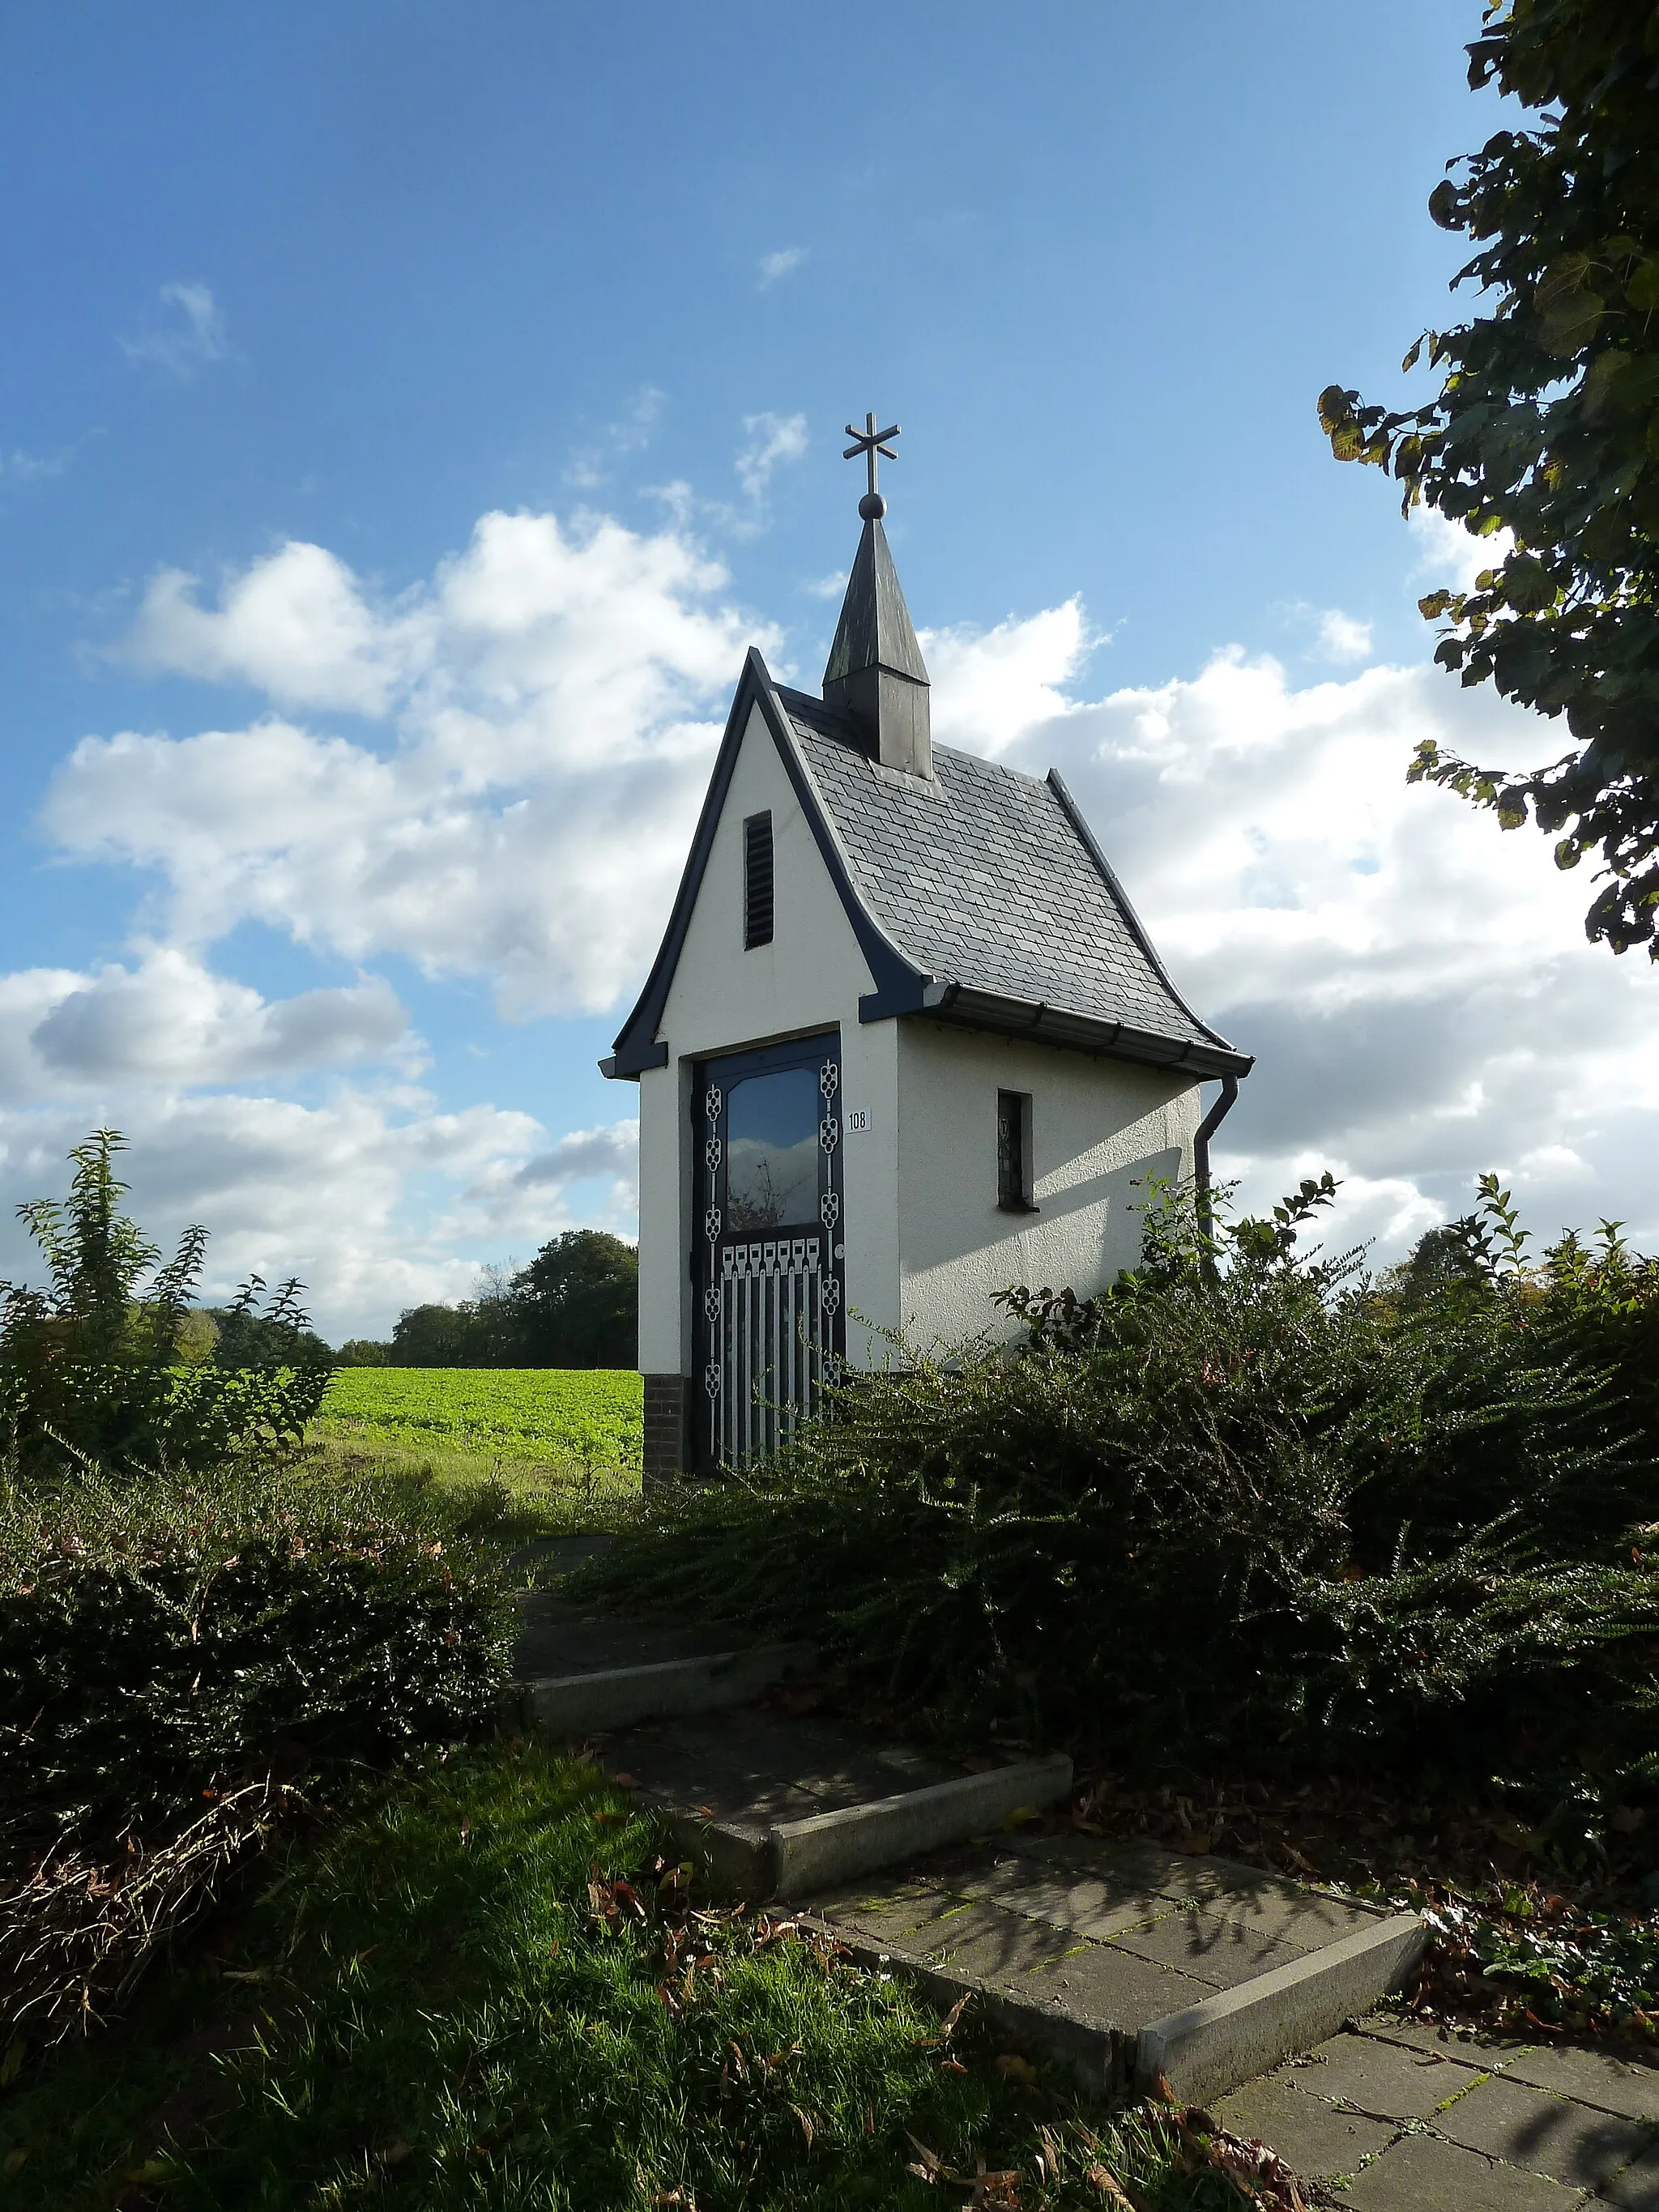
x: 1014, y: 1179
x: 757, y: 881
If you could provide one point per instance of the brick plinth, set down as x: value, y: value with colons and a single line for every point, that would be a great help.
x: 665, y: 1429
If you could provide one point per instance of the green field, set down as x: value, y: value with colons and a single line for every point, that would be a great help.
x: 589, y: 1417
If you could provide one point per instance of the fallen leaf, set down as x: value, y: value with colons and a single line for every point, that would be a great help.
x: 1012, y: 2068
x: 1103, y: 2179
x: 932, y: 2164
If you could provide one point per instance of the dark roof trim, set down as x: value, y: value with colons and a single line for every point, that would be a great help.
x: 637, y: 1047
x: 1241, y: 1063
x: 987, y: 1009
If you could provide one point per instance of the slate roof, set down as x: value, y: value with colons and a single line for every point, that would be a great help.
x: 989, y: 881
x: 979, y: 897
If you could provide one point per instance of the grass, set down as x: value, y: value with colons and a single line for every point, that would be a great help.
x: 589, y: 1419
x: 483, y: 1988
x: 532, y: 1498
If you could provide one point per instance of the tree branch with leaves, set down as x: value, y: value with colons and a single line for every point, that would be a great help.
x: 1544, y: 437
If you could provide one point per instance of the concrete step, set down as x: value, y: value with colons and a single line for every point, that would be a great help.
x: 608, y: 1697
x: 583, y: 1666
x: 1127, y: 1963
x: 772, y: 1804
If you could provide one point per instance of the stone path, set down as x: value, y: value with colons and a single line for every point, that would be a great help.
x: 1115, y: 1959
x: 1131, y: 1961
x: 1390, y: 2117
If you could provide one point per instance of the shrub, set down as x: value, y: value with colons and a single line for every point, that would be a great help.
x: 161, y: 1636
x: 104, y: 1368
x: 173, y: 1650
x: 1242, y: 1501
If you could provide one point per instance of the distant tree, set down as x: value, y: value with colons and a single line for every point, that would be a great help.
x: 577, y: 1305
x: 362, y: 1352
x: 1440, y: 1258
x: 198, y: 1339
x: 1546, y: 426
x: 439, y: 1336
x: 247, y: 1338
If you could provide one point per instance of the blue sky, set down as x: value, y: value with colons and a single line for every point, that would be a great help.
x: 298, y: 298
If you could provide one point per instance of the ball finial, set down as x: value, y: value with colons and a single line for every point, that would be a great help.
x: 872, y: 506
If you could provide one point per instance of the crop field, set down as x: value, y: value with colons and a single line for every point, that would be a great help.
x: 590, y: 1416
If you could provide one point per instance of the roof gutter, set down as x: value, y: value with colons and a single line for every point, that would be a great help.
x: 1206, y: 1129
x: 962, y: 1005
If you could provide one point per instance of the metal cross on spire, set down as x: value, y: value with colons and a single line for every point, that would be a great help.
x: 870, y: 442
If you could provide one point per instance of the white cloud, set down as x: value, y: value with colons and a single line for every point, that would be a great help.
x: 168, y: 1021
x: 989, y: 686
x: 772, y: 439
x: 1416, y: 984
x: 28, y: 468
x: 828, y: 587
x: 296, y: 625
x: 1343, y: 637
x: 322, y: 1192
x: 1449, y: 556
x: 188, y: 334
x: 551, y: 696
x: 781, y: 264
x: 612, y: 1151
x: 632, y: 432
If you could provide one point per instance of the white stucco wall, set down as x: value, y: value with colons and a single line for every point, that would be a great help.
x: 1097, y: 1125
x: 724, y: 999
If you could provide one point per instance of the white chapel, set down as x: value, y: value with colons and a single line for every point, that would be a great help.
x: 905, y: 1043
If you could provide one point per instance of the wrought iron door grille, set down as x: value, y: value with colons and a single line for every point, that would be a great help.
x: 769, y: 1308
x: 771, y: 1338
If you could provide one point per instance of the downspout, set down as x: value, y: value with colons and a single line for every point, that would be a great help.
x: 1207, y: 1129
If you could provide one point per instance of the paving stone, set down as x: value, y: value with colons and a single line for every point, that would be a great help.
x: 1312, y: 2137
x: 1302, y: 1919
x: 1595, y: 2077
x: 1421, y: 2173
x: 1637, y: 2189
x: 1090, y: 1904
x: 1105, y: 1987
x: 1545, y: 2134
x: 1208, y: 1946
x: 1429, y: 2035
x: 1385, y: 2079
x: 984, y: 1941
x: 905, y: 1920
x: 1175, y: 1874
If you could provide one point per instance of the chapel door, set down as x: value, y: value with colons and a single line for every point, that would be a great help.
x: 768, y: 1260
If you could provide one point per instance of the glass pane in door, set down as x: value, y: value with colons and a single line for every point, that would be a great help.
x: 772, y: 1152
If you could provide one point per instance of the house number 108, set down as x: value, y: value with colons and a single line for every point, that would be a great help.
x: 858, y: 1120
